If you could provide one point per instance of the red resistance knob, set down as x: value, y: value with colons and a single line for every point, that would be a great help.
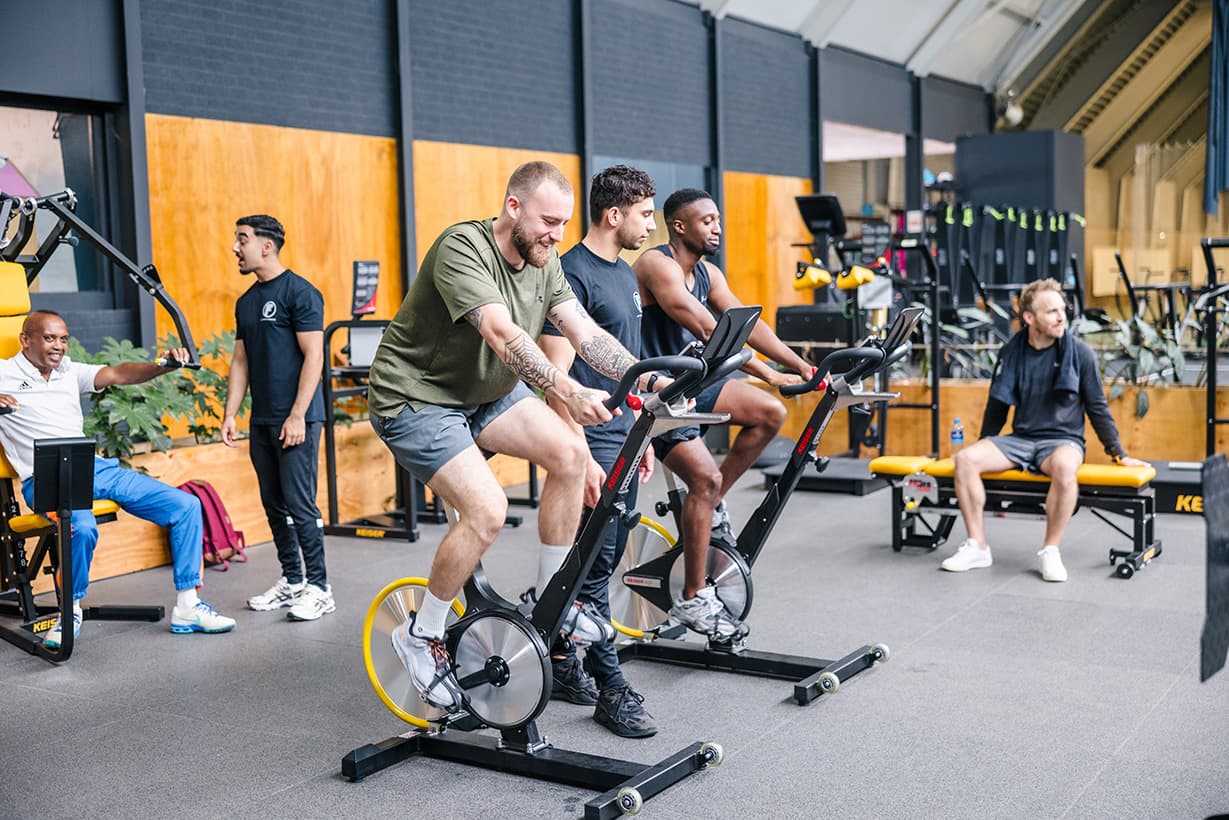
x: 634, y: 402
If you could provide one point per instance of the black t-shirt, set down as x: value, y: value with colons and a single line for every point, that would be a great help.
x: 267, y: 317
x: 608, y: 291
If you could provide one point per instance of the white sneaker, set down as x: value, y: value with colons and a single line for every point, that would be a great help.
x: 584, y: 625
x: 55, y: 635
x: 430, y: 667
x: 1052, y: 568
x: 312, y: 603
x: 200, y: 618
x: 969, y: 555
x: 277, y: 596
x: 706, y: 615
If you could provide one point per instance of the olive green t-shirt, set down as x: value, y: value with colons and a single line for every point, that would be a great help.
x: 430, y: 355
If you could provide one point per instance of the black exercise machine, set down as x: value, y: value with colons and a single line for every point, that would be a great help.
x: 659, y: 579
x: 501, y: 652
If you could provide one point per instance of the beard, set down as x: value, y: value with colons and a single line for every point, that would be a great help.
x: 630, y: 240
x: 701, y: 248
x: 534, y: 254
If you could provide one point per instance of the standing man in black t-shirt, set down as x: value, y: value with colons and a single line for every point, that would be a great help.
x: 279, y: 353
x: 1052, y: 379
x: 621, y: 217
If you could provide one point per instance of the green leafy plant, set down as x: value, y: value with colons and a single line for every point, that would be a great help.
x: 1138, y: 354
x: 123, y: 416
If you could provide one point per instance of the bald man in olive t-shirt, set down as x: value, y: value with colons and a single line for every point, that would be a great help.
x: 449, y: 381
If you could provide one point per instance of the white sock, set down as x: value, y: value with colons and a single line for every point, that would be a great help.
x: 550, y: 559
x: 431, y: 617
x: 185, y: 599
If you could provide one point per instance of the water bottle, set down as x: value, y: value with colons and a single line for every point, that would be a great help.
x: 957, y: 438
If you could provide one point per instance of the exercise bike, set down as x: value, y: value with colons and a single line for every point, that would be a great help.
x: 501, y: 651
x: 652, y: 567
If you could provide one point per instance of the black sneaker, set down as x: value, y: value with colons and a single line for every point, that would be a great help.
x: 571, y: 682
x: 619, y: 710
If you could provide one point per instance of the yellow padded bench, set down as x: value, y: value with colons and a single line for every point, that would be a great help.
x: 924, y: 504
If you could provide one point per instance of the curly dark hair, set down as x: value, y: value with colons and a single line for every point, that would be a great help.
x: 619, y: 186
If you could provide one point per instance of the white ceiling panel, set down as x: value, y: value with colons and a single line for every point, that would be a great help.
x: 967, y: 40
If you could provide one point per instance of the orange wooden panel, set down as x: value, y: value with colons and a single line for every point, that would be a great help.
x: 761, y: 222
x: 335, y: 193
x: 455, y: 182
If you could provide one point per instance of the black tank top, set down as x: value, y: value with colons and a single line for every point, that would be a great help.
x: 662, y: 335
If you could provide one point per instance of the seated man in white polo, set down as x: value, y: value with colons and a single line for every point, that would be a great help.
x: 43, y: 388
x: 1052, y: 380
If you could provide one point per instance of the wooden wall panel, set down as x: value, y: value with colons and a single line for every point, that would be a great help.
x: 335, y: 193
x: 1172, y: 430
x: 454, y: 182
x: 761, y: 223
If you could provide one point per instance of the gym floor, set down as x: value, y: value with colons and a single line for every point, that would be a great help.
x: 1004, y: 697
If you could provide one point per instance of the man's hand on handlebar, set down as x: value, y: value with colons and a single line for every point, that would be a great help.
x: 586, y: 408
x: 779, y: 379
x: 8, y: 404
x: 173, y: 358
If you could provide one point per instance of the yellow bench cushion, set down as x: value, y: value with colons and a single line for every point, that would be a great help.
x: 1092, y: 475
x: 31, y: 522
x: 899, y: 465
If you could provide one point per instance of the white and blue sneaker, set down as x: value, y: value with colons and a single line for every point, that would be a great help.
x: 55, y: 635
x: 200, y: 618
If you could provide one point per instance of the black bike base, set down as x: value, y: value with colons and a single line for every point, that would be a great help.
x: 28, y: 635
x: 804, y: 672
x: 847, y: 476
x: 585, y: 771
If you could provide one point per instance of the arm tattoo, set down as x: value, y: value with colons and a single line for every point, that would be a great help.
x: 474, y: 317
x: 605, y: 355
x: 561, y: 318
x: 528, y: 361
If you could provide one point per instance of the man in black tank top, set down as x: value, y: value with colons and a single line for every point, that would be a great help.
x: 681, y: 294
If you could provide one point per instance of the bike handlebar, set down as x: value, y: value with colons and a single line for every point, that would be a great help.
x: 634, y: 372
x: 872, y: 356
x: 4, y: 411
x: 175, y: 364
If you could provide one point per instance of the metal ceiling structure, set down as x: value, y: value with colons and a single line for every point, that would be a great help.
x: 979, y: 42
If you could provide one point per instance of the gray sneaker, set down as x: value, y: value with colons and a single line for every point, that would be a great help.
x: 706, y: 615
x: 571, y: 682
x: 619, y: 709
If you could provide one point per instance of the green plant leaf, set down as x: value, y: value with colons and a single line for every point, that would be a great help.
x: 1141, y: 404
x: 1116, y: 391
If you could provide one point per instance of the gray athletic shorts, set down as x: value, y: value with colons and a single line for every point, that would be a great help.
x: 426, y: 440
x: 1029, y: 453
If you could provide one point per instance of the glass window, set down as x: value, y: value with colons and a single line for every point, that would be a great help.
x: 44, y: 152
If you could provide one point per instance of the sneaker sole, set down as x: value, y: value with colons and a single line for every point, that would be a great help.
x: 269, y: 607
x: 964, y: 569
x: 601, y: 719
x: 187, y: 629
x: 292, y: 617
x: 578, y: 698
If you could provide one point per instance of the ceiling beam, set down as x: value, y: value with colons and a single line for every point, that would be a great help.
x: 1050, y: 18
x: 819, y: 23
x: 717, y: 8
x: 959, y: 17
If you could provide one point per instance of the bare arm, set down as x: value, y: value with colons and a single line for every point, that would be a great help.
x: 236, y: 389
x: 762, y: 338
x: 136, y: 372
x: 596, y: 346
x: 661, y: 281
x: 530, y: 364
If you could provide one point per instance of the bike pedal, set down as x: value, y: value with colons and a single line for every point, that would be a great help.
x: 730, y: 646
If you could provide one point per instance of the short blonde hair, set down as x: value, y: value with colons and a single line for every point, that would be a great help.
x: 1028, y: 296
x: 526, y: 179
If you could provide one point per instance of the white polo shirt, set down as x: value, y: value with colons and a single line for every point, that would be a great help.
x: 47, y: 408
